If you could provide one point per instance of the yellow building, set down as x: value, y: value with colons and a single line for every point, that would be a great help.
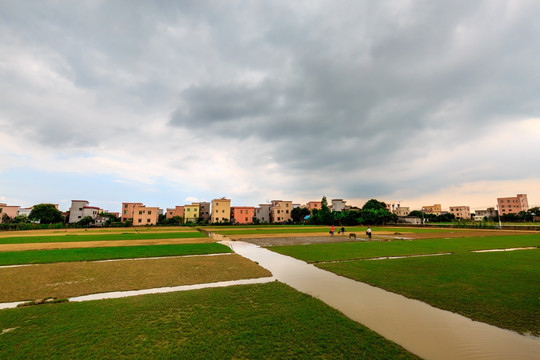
x: 432, y: 209
x: 221, y: 210
x: 280, y: 211
x: 191, y: 212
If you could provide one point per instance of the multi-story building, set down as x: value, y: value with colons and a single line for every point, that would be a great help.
x: 262, y: 213
x: 128, y: 209
x: 143, y: 215
x: 177, y: 211
x: 338, y: 205
x: 10, y: 211
x: 461, y: 212
x: 280, y: 211
x: 402, y: 210
x: 221, y: 210
x: 513, y: 205
x: 80, y: 209
x: 242, y: 214
x: 432, y: 209
x: 204, y: 210
x: 191, y: 212
x: 313, y: 205
x: 479, y: 215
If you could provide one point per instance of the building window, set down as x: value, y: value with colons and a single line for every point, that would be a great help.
x: 140, y: 212
x: 140, y: 220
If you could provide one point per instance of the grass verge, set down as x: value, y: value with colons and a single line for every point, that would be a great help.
x: 69, y: 279
x: 497, y: 288
x: 270, y: 321
x: 363, y: 250
x: 100, y: 237
x: 104, y: 253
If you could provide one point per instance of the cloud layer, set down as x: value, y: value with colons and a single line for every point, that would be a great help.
x: 255, y: 100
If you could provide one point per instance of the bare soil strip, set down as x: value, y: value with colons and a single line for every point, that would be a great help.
x: 105, y: 243
x: 65, y: 280
x: 76, y: 231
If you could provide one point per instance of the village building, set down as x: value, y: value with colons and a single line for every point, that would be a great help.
x: 242, y: 214
x: 221, y: 210
x: 513, y: 205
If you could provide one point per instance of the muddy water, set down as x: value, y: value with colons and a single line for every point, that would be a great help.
x: 420, y: 328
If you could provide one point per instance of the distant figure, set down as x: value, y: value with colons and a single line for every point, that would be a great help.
x: 332, y: 231
x: 342, y: 230
x: 368, y: 232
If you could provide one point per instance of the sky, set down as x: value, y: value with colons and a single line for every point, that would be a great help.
x: 170, y: 102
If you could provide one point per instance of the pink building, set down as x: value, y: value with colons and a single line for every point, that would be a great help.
x: 461, y: 212
x: 143, y: 215
x: 313, y: 205
x: 177, y: 211
x: 11, y: 211
x: 127, y: 210
x: 513, y: 205
x: 242, y: 214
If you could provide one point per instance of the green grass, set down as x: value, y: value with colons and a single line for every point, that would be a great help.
x: 268, y: 321
x: 362, y: 250
x: 99, y: 237
x: 104, y: 253
x: 497, y: 288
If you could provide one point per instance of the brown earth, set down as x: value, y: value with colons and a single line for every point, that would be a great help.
x: 316, y: 238
x: 106, y: 243
x: 64, y: 280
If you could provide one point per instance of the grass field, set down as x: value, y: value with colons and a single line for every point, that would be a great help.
x: 103, y: 253
x: 100, y: 237
x: 500, y: 288
x: 69, y: 279
x: 269, y: 321
x: 363, y: 250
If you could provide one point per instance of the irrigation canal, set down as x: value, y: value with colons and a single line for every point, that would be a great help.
x: 424, y: 330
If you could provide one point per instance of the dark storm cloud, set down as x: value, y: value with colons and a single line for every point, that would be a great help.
x: 376, y: 86
x: 334, y: 90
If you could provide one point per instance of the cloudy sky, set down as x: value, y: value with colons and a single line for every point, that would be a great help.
x: 169, y: 102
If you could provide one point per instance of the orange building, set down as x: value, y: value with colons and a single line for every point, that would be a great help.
x: 513, y: 205
x: 242, y: 214
x: 177, y: 211
x: 143, y: 215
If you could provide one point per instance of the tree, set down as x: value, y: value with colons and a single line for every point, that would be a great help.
x: 46, y: 214
x: 298, y: 214
x: 85, y: 221
x: 374, y: 205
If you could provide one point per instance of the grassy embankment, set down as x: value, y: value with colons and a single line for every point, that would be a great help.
x: 270, y: 321
x: 104, y: 253
x: 498, y: 288
x: 100, y: 237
